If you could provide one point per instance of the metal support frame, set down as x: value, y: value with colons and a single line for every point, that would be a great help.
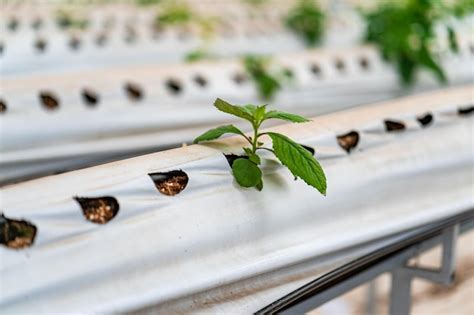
x: 392, y: 258
x: 400, y: 294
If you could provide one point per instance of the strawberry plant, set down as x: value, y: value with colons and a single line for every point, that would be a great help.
x: 246, y: 168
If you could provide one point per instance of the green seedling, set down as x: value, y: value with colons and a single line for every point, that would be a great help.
x: 306, y: 20
x: 268, y: 77
x: 405, y: 34
x: 246, y: 168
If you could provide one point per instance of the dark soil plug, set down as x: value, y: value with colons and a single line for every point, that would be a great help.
x: 74, y: 43
x: 425, y: 120
x: 364, y: 63
x: 170, y: 183
x: 40, y: 45
x: 200, y: 80
x: 348, y: 141
x: 16, y: 234
x: 37, y: 24
x: 90, y: 97
x: 134, y: 92
x: 49, y: 101
x: 3, y: 106
x: 391, y: 125
x: 465, y: 111
x: 13, y: 24
x: 101, y: 39
x: 98, y: 210
x: 174, y: 86
x: 239, y: 78
x: 340, y: 65
x: 316, y: 70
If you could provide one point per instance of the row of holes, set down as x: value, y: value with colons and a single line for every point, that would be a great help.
x: 100, y: 210
x: 135, y: 93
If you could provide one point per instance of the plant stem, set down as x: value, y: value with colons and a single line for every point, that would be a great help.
x: 255, y: 138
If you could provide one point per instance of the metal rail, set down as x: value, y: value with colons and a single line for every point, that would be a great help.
x: 392, y: 258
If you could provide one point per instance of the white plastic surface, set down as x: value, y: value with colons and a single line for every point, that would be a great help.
x: 215, y: 247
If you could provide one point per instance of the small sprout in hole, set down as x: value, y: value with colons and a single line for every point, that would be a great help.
x: 267, y: 76
x: 98, y: 210
x: 348, y: 141
x: 294, y: 156
x: 425, y: 120
x: 16, y: 234
x: 391, y: 125
x: 170, y: 183
x: 306, y: 20
x: 49, y: 100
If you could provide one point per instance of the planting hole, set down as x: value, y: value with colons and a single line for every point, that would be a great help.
x: 391, y: 125
x: 90, y: 97
x: 49, y: 100
x: 3, y: 106
x: 16, y: 234
x: 200, y: 80
x: 287, y: 72
x: 174, y: 86
x: 425, y: 120
x: 309, y: 149
x: 316, y: 70
x: 239, y: 78
x: 465, y: 111
x: 348, y: 141
x: 2, y: 48
x: 74, y: 43
x: 364, y: 63
x: 340, y: 65
x: 13, y: 24
x: 170, y: 183
x: 134, y: 92
x: 98, y: 210
x: 232, y: 157
x: 101, y: 39
x: 37, y: 24
x: 40, y: 45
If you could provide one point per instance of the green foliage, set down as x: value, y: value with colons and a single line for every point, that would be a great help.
x: 404, y: 32
x: 147, y: 2
x: 174, y: 14
x: 267, y: 78
x: 306, y: 20
x: 198, y: 55
x: 295, y: 157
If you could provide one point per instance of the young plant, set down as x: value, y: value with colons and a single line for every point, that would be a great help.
x: 67, y: 19
x: 267, y: 78
x: 306, y: 20
x: 294, y: 156
x: 404, y: 32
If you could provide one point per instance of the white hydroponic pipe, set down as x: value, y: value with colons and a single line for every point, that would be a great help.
x: 218, y: 248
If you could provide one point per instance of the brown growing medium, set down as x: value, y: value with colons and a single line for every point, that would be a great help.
x: 49, y: 101
x: 464, y: 111
x: 134, y: 92
x: 170, y: 183
x: 348, y: 141
x: 391, y: 125
x: 99, y: 210
x: 16, y: 234
x: 425, y: 120
x: 3, y: 106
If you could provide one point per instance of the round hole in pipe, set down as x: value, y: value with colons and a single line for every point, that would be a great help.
x: 90, y: 97
x: 134, y: 91
x: 316, y: 70
x: 74, y: 43
x: 239, y: 78
x: 200, y: 80
x: 364, y: 63
x: 3, y: 106
x: 48, y: 100
x: 98, y: 210
x: 340, y: 65
x: 101, y: 39
x: 174, y: 86
x: 16, y: 234
x: 13, y: 24
x: 40, y: 45
x: 37, y: 23
x: 348, y: 141
x: 170, y: 183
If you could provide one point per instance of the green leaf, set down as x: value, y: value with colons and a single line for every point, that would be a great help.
x: 285, y: 116
x: 252, y: 156
x: 218, y: 132
x: 299, y: 161
x: 259, y: 186
x: 238, y: 111
x: 260, y: 112
x: 246, y: 173
x: 453, y: 42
